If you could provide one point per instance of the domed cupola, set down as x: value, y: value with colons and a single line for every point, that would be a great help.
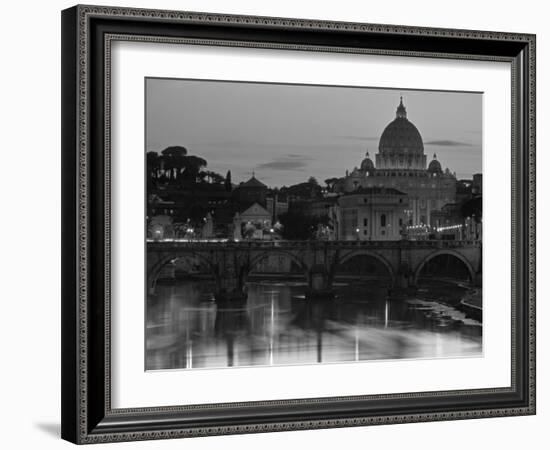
x: 367, y: 165
x: 435, y: 166
x: 401, y: 145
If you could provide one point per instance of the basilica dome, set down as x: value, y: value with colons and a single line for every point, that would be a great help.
x: 435, y: 166
x: 367, y: 164
x: 401, y: 137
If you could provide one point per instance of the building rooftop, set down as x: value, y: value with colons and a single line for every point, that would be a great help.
x: 376, y: 191
x: 253, y: 182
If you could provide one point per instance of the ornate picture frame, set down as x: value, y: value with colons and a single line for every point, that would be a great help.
x: 88, y: 33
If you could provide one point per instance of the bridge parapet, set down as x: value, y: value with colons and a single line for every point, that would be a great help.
x: 295, y: 245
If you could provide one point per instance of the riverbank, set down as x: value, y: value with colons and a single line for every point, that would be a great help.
x: 461, y: 297
x: 472, y: 304
x: 449, y: 293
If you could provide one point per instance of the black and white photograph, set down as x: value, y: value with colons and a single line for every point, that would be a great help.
x: 310, y: 224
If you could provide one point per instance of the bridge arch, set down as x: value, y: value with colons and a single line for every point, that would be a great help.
x: 457, y: 255
x: 255, y: 259
x: 346, y: 257
x: 154, y: 271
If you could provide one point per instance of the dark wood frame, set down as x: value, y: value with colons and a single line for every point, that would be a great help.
x: 87, y: 416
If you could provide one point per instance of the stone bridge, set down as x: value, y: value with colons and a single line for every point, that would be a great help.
x: 231, y: 262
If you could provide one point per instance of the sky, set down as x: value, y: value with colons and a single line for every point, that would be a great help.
x: 285, y: 134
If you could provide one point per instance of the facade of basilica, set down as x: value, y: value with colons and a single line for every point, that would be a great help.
x: 377, y: 201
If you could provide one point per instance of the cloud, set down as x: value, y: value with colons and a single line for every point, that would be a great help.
x: 295, y: 156
x: 448, y: 143
x: 290, y: 161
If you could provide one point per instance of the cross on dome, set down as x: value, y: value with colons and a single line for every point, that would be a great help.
x: 401, y: 112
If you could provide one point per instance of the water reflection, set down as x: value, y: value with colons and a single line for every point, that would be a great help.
x: 277, y: 325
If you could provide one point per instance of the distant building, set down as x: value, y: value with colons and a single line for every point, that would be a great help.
x: 463, y: 190
x: 447, y: 216
x: 251, y: 191
x: 477, y: 188
x: 401, y: 165
x: 373, y: 213
x: 156, y: 206
x: 160, y: 227
x: 276, y: 205
x: 253, y: 222
x: 256, y: 214
x: 314, y: 207
x: 449, y: 223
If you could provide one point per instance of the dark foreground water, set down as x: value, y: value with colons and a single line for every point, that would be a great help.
x: 277, y: 325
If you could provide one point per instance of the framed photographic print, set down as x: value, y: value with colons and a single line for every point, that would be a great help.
x: 280, y: 224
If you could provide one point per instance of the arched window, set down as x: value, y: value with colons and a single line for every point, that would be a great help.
x: 383, y: 220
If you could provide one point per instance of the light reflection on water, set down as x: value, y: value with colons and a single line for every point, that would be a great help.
x: 277, y: 325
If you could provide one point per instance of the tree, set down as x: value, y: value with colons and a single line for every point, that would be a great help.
x: 174, y: 151
x: 313, y: 180
x: 153, y: 165
x: 228, y: 185
x: 298, y: 226
x: 248, y: 230
x: 210, y: 177
x: 191, y: 166
x: 330, y: 182
x: 173, y: 160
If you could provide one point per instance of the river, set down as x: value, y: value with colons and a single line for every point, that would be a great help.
x: 276, y: 325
